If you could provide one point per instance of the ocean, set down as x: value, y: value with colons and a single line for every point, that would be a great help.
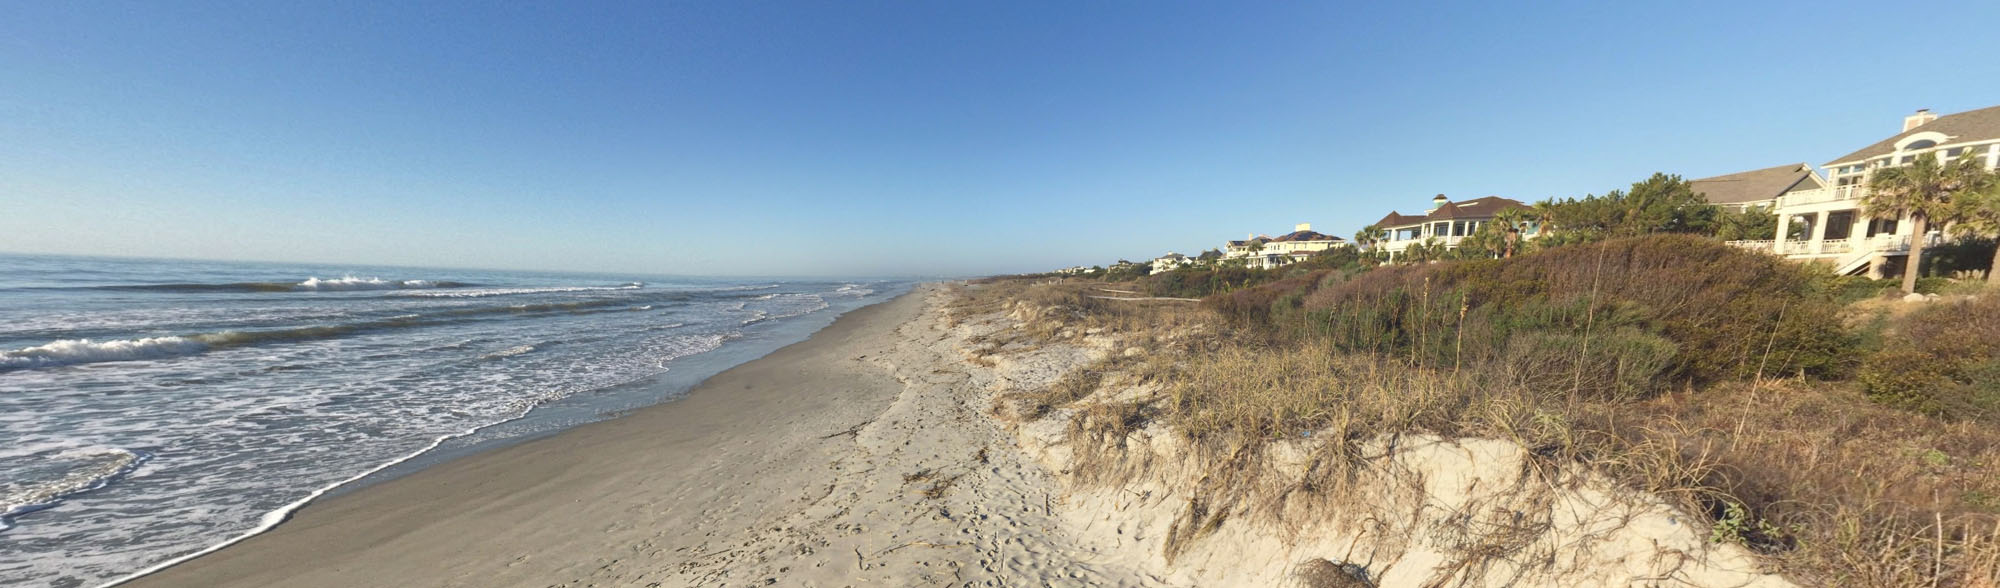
x: 151, y: 410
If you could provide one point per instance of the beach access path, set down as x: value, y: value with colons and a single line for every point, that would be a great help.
x: 860, y: 457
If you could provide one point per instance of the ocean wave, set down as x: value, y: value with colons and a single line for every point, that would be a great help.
x: 93, y: 468
x: 346, y: 283
x: 80, y: 351
x: 758, y: 316
x: 481, y: 293
x: 310, y: 284
x: 855, y: 290
x: 75, y: 351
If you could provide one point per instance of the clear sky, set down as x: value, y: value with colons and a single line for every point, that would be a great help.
x: 905, y: 138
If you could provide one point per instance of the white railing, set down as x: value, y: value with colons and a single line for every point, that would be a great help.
x: 1816, y: 196
x: 1794, y: 247
x: 1753, y: 245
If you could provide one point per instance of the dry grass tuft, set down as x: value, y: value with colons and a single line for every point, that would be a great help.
x: 1835, y: 489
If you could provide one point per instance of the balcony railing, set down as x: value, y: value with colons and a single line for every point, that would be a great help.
x: 1816, y: 196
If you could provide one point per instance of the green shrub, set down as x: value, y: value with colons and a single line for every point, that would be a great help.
x: 1932, y: 285
x: 1907, y: 379
x: 1849, y: 289
x: 1619, y: 364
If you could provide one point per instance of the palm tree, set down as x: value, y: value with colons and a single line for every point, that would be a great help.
x: 1512, y: 221
x: 1978, y: 213
x: 1369, y: 235
x: 1925, y: 190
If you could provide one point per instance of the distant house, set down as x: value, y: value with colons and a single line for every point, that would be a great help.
x: 1446, y: 222
x: 1828, y: 225
x: 1763, y: 187
x: 1262, y: 252
x: 1170, y: 262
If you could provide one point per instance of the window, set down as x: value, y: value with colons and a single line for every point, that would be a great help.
x: 1920, y: 144
x: 1839, y: 225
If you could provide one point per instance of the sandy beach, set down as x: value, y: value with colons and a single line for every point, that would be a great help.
x: 847, y: 459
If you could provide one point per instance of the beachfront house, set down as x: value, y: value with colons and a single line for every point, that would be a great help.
x: 1445, y: 224
x: 1758, y: 188
x: 1827, y: 224
x: 1170, y: 262
x: 1261, y: 252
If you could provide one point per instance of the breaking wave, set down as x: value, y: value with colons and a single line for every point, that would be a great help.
x: 311, y: 284
x: 513, y: 291
x: 74, y: 351
x: 79, y: 351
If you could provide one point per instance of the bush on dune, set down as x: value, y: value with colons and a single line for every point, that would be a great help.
x: 1617, y: 316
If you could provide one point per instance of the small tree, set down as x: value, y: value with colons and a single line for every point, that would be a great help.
x: 1925, y: 190
x: 1512, y: 224
x: 1978, y: 213
x: 1753, y: 222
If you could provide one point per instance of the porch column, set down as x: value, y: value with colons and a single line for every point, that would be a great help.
x: 1819, y: 232
x: 1784, y: 228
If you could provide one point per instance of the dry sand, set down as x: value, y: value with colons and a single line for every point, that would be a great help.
x: 860, y: 457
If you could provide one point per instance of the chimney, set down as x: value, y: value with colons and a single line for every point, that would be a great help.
x: 1302, y: 227
x: 1922, y: 116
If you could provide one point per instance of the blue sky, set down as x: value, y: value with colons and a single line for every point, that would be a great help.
x: 905, y: 138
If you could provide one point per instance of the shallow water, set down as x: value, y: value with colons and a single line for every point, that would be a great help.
x: 152, y: 409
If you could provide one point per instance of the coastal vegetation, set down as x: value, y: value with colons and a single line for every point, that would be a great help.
x: 1846, y: 435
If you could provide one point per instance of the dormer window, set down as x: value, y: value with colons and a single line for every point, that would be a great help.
x: 1920, y: 144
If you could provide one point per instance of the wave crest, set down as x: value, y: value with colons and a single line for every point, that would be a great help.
x: 74, y: 351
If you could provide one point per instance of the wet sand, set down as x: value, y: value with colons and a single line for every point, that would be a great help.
x: 857, y: 457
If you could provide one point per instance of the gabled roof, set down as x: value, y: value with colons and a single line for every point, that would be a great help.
x: 1971, y: 125
x: 1397, y: 219
x: 1484, y: 207
x: 1307, y: 236
x: 1475, y: 208
x: 1259, y: 239
x: 1755, y: 185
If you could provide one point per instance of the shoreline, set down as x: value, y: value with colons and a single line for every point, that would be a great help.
x: 326, y: 507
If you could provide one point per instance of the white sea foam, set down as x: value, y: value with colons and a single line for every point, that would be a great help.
x: 484, y: 292
x: 94, y: 467
x: 75, y: 351
x: 346, y: 283
x: 509, y: 352
x: 519, y: 408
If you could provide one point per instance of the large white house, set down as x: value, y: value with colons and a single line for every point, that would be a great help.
x: 1827, y: 224
x: 1446, y: 223
x: 1261, y: 252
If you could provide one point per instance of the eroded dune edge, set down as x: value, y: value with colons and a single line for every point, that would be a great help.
x: 1390, y: 510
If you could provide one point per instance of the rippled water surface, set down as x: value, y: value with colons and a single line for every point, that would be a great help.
x: 153, y: 409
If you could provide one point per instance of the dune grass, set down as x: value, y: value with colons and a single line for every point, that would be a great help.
x: 1782, y: 444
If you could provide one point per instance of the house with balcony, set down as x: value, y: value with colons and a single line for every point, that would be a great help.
x: 1827, y: 225
x: 1447, y: 222
x: 1758, y: 188
x: 1261, y: 252
x: 1170, y: 262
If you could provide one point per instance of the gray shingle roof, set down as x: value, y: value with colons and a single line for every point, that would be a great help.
x: 1754, y: 185
x: 1307, y: 236
x: 1475, y: 208
x: 1971, y: 125
x: 1484, y: 207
